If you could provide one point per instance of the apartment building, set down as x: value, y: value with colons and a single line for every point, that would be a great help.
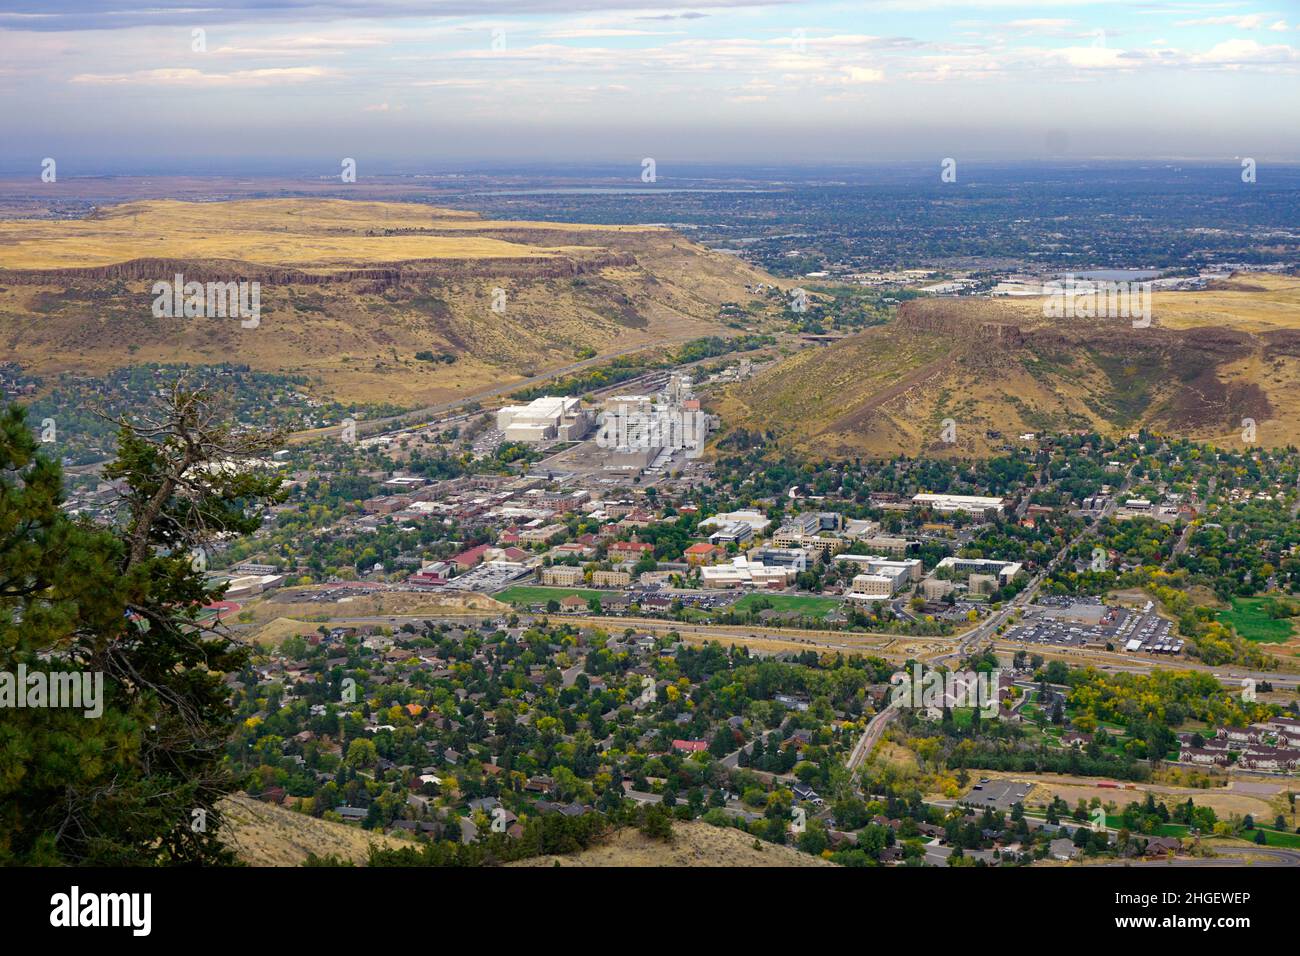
x: 562, y: 575
x: 900, y: 572
x: 870, y: 587
x: 541, y: 534
x: 1004, y: 571
x: 883, y: 544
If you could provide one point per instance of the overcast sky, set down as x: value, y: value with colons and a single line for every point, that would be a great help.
x: 114, y: 85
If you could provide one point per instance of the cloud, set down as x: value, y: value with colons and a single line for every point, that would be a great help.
x: 599, y: 32
x: 1246, y: 52
x: 66, y: 15
x: 197, y: 78
x: 1247, y: 21
x: 862, y: 74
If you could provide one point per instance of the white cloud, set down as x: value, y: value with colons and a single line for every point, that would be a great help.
x: 863, y: 74
x: 191, y: 77
x: 1247, y: 21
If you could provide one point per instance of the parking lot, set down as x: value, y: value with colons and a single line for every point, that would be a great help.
x: 1134, y: 631
x: 997, y: 794
x: 488, y: 578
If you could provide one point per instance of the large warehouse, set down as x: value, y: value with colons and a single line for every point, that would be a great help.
x: 543, y: 419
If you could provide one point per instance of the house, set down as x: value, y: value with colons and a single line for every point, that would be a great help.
x: 1160, y: 846
x: 573, y: 604
x: 539, y: 783
x: 1063, y: 849
x: 1190, y: 754
x: 1239, y: 735
x: 1269, y: 758
x: 690, y: 746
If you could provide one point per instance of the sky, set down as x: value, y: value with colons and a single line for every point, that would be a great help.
x: 400, y: 85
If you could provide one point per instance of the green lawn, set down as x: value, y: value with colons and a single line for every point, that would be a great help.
x: 1248, y: 617
x: 1274, y: 837
x: 540, y: 594
x: 803, y: 603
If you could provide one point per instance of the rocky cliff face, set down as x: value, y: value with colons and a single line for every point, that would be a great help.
x: 376, y: 278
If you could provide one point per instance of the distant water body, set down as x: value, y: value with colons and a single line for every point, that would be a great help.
x: 1117, y: 275
x: 596, y: 190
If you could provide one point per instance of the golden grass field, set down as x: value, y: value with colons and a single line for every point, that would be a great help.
x: 1252, y: 303
x: 350, y: 291
x: 282, y: 617
x: 694, y: 845
x: 262, y: 834
x: 315, y: 234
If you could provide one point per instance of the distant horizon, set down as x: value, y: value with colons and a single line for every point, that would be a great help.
x: 587, y: 169
x: 162, y: 84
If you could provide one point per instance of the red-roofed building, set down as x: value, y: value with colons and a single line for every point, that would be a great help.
x: 467, y: 559
x: 427, y: 579
x: 690, y: 746
x: 702, y: 553
x: 630, y: 549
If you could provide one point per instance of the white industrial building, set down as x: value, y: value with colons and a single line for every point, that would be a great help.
x: 544, y: 419
x: 973, y: 504
x: 742, y: 572
x: 758, y: 521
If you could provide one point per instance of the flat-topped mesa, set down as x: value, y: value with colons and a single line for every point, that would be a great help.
x: 380, y: 276
x: 1008, y: 336
x: 961, y: 322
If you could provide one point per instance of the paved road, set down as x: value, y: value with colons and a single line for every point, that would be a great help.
x: 972, y: 638
x: 732, y: 760
x: 1229, y: 857
x: 870, y: 737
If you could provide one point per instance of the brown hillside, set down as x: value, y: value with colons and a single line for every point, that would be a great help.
x: 694, y: 845
x: 262, y: 834
x: 999, y: 366
x: 350, y: 291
